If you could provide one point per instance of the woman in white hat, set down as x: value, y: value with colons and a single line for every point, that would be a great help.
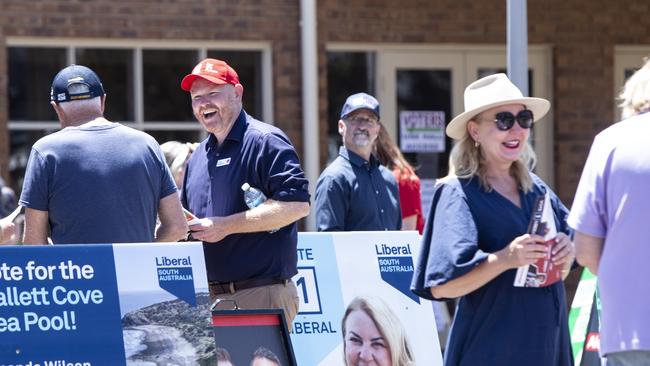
x: 476, y: 237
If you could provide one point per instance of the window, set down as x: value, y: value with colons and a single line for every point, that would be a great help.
x: 248, y: 65
x: 115, y: 67
x: 164, y: 100
x: 31, y: 71
x: 142, y: 83
x: 347, y: 73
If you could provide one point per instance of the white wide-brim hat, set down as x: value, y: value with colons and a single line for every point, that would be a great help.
x: 489, y: 92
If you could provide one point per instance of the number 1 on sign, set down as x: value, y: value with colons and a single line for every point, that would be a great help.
x: 308, y: 291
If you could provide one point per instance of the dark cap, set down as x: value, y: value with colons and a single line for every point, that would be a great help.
x: 75, y: 82
x: 212, y: 70
x: 360, y: 101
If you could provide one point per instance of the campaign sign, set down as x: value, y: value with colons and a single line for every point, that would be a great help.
x: 102, y: 304
x: 584, y: 322
x: 59, y: 305
x: 336, y: 268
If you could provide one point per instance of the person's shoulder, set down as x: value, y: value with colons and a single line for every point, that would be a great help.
x: 137, y: 134
x: 51, y: 141
x: 259, y: 129
x: 538, y: 181
x: 388, y: 175
x: 337, y: 168
x: 450, y: 181
x: 620, y: 132
x: 451, y: 185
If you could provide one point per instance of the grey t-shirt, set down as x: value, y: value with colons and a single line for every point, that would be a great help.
x: 99, y: 184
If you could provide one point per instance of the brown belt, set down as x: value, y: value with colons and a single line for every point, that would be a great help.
x: 219, y: 288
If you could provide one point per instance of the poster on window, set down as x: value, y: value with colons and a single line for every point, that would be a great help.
x: 104, y: 304
x: 422, y: 131
x: 360, y: 281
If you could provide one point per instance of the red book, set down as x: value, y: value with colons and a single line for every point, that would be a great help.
x: 543, y: 272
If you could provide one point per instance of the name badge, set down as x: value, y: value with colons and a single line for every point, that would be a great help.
x: 222, y: 162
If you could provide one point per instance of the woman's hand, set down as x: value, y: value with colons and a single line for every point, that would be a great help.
x: 563, y: 252
x: 523, y: 250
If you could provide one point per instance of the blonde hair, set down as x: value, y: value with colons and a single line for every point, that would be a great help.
x: 466, y: 160
x: 389, y: 327
x: 389, y: 154
x: 635, y: 96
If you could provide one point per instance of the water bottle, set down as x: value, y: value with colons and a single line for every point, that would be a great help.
x: 253, y: 198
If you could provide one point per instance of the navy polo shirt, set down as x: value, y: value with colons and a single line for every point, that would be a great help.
x: 353, y: 194
x: 261, y: 155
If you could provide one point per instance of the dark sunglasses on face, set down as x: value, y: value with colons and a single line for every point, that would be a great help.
x: 505, y: 120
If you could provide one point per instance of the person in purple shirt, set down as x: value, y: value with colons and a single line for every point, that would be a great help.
x: 610, y: 217
x: 250, y: 254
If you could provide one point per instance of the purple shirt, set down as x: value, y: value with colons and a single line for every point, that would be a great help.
x: 613, y: 202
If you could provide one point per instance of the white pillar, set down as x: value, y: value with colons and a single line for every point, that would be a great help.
x: 309, y: 57
x: 518, y: 44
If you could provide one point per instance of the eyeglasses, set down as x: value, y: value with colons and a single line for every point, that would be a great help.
x: 505, y: 120
x: 361, y: 120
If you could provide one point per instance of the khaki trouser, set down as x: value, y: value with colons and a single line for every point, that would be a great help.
x: 278, y: 296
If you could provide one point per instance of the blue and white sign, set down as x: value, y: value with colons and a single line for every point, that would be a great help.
x: 102, y: 304
x: 334, y: 268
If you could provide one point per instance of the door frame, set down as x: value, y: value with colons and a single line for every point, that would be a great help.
x: 464, y: 62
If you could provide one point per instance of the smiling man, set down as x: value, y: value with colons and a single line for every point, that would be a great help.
x: 250, y: 254
x: 355, y: 192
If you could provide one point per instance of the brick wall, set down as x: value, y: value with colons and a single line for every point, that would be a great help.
x: 269, y: 20
x: 583, y: 34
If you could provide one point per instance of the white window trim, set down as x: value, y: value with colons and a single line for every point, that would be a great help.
x: 138, y: 45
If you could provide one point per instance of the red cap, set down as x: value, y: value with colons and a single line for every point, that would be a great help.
x: 212, y: 70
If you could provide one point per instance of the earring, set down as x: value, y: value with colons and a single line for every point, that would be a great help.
x: 476, y: 143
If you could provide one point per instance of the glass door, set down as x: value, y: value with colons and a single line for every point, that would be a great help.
x: 418, y: 92
x: 421, y: 87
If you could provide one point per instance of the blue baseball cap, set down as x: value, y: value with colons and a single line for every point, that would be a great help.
x: 75, y: 82
x: 360, y: 101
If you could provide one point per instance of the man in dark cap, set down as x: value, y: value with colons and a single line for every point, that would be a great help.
x: 96, y: 181
x: 355, y: 192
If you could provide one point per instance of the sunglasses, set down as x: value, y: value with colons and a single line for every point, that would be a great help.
x: 505, y: 120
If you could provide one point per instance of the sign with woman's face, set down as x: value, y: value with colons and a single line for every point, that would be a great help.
x: 364, y: 344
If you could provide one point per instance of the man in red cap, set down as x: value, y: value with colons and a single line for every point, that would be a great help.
x: 250, y: 252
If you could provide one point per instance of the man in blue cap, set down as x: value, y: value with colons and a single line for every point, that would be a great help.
x: 355, y: 192
x: 96, y: 181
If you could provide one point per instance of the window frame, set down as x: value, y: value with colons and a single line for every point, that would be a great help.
x: 138, y: 46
